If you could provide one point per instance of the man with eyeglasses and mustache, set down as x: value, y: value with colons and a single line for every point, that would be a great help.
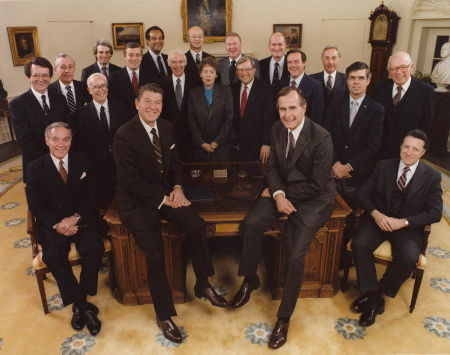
x: 97, y: 123
x: 103, y: 51
x: 408, y: 103
x: 35, y: 109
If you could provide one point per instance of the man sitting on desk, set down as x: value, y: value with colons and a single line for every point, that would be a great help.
x: 300, y: 185
x: 149, y: 179
x: 399, y: 199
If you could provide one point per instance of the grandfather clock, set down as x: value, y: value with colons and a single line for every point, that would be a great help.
x: 383, y: 32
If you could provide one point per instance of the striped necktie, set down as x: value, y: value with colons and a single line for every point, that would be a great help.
x: 401, y: 183
x: 70, y: 100
x: 353, y: 112
x: 398, y: 96
x: 157, y: 148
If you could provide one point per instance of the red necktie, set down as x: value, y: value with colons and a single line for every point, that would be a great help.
x: 293, y: 84
x: 135, y: 84
x: 243, y: 100
x: 104, y: 71
x: 402, y: 179
x: 62, y: 171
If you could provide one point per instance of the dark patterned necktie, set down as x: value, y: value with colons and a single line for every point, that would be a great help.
x: 293, y: 84
x: 103, y: 120
x: 397, y: 97
x: 330, y: 83
x: 135, y: 84
x: 47, y: 112
x: 232, y: 71
x: 275, y: 74
x: 162, y: 72
x: 104, y: 72
x: 70, y: 100
x: 62, y: 171
x: 197, y: 60
x: 291, y: 149
x: 178, y: 93
x: 401, y: 183
x: 157, y: 148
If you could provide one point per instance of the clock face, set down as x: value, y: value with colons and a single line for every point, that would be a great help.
x: 380, y: 28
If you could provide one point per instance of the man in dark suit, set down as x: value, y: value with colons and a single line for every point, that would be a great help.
x: 74, y: 91
x: 195, y: 54
x: 60, y: 196
x: 254, y: 114
x: 301, y: 186
x: 149, y: 179
x: 34, y: 110
x: 311, y: 90
x: 334, y: 83
x: 356, y: 124
x: 274, y: 68
x: 103, y: 51
x: 227, y: 72
x: 176, y: 93
x: 399, y: 199
x: 408, y: 103
x: 124, y: 83
x: 97, y: 123
x: 155, y: 62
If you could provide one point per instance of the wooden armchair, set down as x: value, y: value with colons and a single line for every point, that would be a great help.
x: 41, y: 269
x: 383, y: 255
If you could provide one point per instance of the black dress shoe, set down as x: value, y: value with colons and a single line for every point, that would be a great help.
x: 279, y: 334
x: 170, y: 330
x: 92, y: 322
x: 78, y: 322
x: 360, y: 304
x: 92, y: 307
x: 368, y: 316
x: 244, y: 292
x: 211, y: 295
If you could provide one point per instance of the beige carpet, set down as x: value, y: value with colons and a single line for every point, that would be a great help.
x: 319, y: 326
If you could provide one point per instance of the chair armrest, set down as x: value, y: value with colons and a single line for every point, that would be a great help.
x: 426, y: 234
x: 31, y: 230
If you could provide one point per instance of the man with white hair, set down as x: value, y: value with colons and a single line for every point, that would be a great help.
x: 195, y: 54
x: 176, y: 93
x: 408, y: 103
x: 73, y: 90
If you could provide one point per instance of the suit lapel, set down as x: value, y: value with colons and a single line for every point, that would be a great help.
x: 164, y: 146
x: 302, y: 141
x: 416, y: 182
x: 391, y: 177
x: 282, y: 149
x: 362, y: 112
x: 345, y: 117
x: 215, y: 101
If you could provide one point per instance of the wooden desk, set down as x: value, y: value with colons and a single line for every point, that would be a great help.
x: 223, y: 217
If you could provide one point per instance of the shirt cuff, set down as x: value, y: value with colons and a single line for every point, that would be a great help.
x: 162, y: 203
x: 278, y: 192
x: 177, y: 186
x: 351, y: 168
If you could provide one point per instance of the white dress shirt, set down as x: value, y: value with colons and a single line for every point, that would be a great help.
x: 409, y: 174
x: 405, y: 87
x: 249, y: 87
x: 297, y: 81
x: 38, y: 96
x: 182, y: 81
x: 333, y: 78
x: 98, y: 107
x: 65, y: 161
x: 130, y: 74
x: 64, y: 90
x: 272, y: 68
x: 155, y: 59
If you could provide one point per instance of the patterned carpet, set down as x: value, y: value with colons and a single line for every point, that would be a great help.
x: 319, y: 326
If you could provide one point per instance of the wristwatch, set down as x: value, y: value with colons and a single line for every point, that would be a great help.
x: 406, y: 223
x: 77, y: 216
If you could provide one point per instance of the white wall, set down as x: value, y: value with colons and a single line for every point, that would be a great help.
x: 344, y: 23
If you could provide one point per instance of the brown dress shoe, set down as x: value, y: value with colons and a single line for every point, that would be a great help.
x: 170, y: 330
x: 243, y: 295
x: 279, y: 334
x: 211, y: 295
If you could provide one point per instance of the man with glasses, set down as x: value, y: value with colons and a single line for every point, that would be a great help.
x: 408, y: 103
x: 253, y: 115
x: 155, y: 62
x: 195, y: 54
x: 35, y: 109
x: 97, y: 123
x: 103, y: 51
x: 399, y: 199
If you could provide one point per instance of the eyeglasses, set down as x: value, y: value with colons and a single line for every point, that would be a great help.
x: 43, y: 76
x: 241, y: 70
x: 400, y: 67
x: 98, y: 87
x: 196, y: 36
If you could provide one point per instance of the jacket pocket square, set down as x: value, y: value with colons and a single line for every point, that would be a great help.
x: 83, y: 175
x: 172, y: 146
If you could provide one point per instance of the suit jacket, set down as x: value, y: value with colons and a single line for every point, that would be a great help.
x: 414, y: 111
x: 81, y: 94
x: 265, y: 70
x: 340, y: 88
x: 192, y: 68
x: 50, y: 199
x: 423, y: 202
x: 213, y: 123
x: 312, y: 92
x: 252, y: 130
x: 178, y: 117
x: 29, y: 123
x: 308, y: 182
x: 122, y: 90
x: 93, y: 68
x: 140, y: 185
x: 224, y: 75
x: 359, y: 144
x: 150, y: 66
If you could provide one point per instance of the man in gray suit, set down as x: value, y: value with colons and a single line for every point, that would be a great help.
x: 233, y: 46
x: 300, y: 185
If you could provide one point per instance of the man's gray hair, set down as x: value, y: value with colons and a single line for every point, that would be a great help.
x: 96, y: 75
x: 329, y: 46
x: 172, y: 52
x: 62, y: 55
x: 244, y: 59
x: 56, y: 125
x: 405, y: 55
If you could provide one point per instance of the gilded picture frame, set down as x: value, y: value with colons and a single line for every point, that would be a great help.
x: 24, y: 44
x: 127, y: 32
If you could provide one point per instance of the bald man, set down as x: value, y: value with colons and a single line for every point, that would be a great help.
x: 195, y: 54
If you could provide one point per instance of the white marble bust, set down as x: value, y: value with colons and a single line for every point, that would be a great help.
x: 441, y: 72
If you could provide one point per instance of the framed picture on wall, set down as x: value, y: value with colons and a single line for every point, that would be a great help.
x: 213, y: 16
x: 293, y: 34
x: 127, y: 32
x: 24, y: 44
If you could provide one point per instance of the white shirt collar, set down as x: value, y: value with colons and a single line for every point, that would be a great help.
x: 236, y: 60
x: 405, y: 87
x: 194, y: 54
x: 359, y: 101
x: 280, y: 62
x: 130, y: 73
x: 182, y: 79
x: 98, y: 106
x: 38, y: 96
x: 333, y: 76
x: 409, y: 174
x: 64, y: 90
x: 296, y: 132
x: 297, y: 81
x: 100, y: 66
x: 65, y: 161
x: 249, y: 85
x: 148, y: 128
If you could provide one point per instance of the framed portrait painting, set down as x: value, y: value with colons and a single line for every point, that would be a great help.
x: 292, y: 33
x: 127, y: 32
x: 213, y: 16
x: 24, y: 44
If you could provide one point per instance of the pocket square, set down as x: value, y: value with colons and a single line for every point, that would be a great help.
x: 172, y: 146
x: 83, y: 175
